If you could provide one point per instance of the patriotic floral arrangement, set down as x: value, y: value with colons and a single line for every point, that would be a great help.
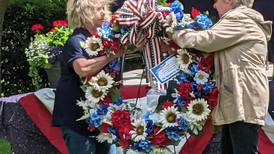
x: 44, y: 49
x: 121, y: 122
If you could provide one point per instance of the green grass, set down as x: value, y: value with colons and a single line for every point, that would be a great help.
x: 4, y: 147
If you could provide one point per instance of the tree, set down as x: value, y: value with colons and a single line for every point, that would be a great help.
x: 3, y: 7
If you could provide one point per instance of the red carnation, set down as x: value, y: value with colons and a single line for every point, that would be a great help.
x: 115, y: 45
x: 120, y: 118
x: 159, y: 138
x: 124, y: 143
x: 37, y: 27
x: 167, y: 104
x: 106, y: 101
x: 57, y: 23
x: 104, y: 128
x: 206, y: 64
x: 195, y: 13
x: 165, y: 14
x: 106, y: 43
x: 184, y: 89
x: 212, y: 100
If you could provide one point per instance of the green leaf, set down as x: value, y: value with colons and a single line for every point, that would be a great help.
x: 115, y: 94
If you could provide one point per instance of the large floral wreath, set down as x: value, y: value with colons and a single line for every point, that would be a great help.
x: 124, y: 124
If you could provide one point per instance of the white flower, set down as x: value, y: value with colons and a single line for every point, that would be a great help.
x: 198, y: 110
x: 94, y: 95
x: 87, y: 106
x: 102, y: 137
x: 169, y: 116
x: 201, y: 77
x: 139, y: 132
x: 183, y: 59
x: 92, y: 45
x: 102, y: 81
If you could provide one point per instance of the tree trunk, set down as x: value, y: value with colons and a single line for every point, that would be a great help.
x: 3, y: 7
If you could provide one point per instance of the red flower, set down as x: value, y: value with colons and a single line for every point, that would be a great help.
x: 106, y: 101
x: 206, y: 63
x: 124, y: 143
x: 159, y: 139
x: 212, y: 100
x: 104, y: 128
x: 57, y: 23
x: 115, y: 45
x: 106, y: 43
x: 167, y: 104
x: 165, y: 14
x: 113, y: 19
x: 184, y: 89
x: 37, y: 27
x: 195, y: 13
x: 120, y: 118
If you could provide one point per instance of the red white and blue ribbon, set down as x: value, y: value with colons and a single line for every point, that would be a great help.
x: 142, y: 16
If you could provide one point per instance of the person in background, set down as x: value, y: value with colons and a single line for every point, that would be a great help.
x: 239, y: 43
x: 84, y: 16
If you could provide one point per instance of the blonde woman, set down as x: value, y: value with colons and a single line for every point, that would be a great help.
x: 84, y: 16
x: 239, y: 43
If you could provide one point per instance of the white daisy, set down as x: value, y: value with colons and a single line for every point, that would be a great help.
x: 198, y: 110
x: 169, y: 116
x: 94, y: 95
x: 92, y: 45
x: 102, y: 137
x: 201, y: 77
x: 87, y: 106
x: 139, y: 132
x: 183, y: 59
x: 102, y: 81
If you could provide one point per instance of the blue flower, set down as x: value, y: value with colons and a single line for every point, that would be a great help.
x: 95, y: 120
x: 203, y: 21
x: 105, y: 31
x: 194, y: 69
x: 148, y: 116
x: 144, y: 146
x: 113, y: 131
x: 197, y: 89
x: 124, y: 29
x: 179, y: 15
x: 173, y: 135
x: 183, y: 124
x: 176, y: 7
x: 180, y: 101
x: 193, y: 25
x: 182, y: 77
x: 115, y: 65
x: 119, y: 102
x: 102, y: 110
x: 149, y: 126
x: 208, y: 86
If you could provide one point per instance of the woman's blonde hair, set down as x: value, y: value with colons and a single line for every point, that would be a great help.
x: 248, y: 3
x: 82, y: 12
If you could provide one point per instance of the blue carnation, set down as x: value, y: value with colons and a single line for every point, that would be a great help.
x: 208, y: 86
x: 182, y: 77
x: 194, y: 69
x: 204, y: 21
x: 176, y: 7
x: 183, y: 124
x: 148, y: 116
x: 179, y: 15
x: 144, y: 146
x: 173, y: 136
x: 102, y: 110
x: 113, y: 131
x: 197, y: 92
x: 180, y: 101
x: 105, y: 31
x: 119, y: 102
x: 115, y: 65
x: 95, y: 120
